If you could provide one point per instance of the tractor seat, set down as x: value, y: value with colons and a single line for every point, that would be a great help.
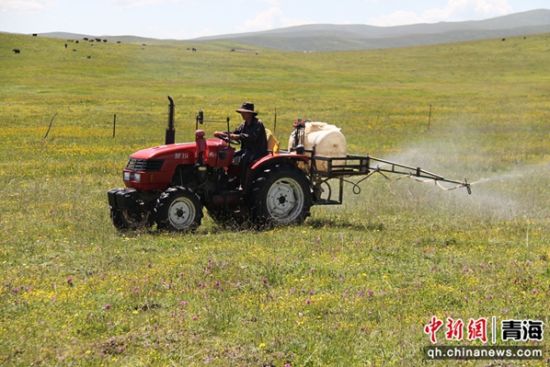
x: 272, y: 142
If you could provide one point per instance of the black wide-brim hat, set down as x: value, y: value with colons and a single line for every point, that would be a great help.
x: 247, y: 107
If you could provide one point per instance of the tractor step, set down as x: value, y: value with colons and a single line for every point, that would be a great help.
x: 327, y: 202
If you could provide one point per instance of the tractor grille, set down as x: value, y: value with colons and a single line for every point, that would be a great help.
x: 144, y: 164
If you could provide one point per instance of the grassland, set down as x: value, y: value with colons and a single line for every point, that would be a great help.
x: 353, y: 286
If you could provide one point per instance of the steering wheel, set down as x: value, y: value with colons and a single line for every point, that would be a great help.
x: 229, y: 140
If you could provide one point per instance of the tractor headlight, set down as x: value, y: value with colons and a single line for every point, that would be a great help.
x: 126, y: 176
x: 137, y: 177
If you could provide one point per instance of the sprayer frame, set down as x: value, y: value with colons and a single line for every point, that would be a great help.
x: 361, y: 165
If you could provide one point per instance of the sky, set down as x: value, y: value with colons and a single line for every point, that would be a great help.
x: 186, y: 19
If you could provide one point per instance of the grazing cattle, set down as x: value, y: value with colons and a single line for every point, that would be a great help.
x: 504, y: 39
x: 232, y: 50
x: 194, y: 49
x: 143, y: 44
x: 65, y: 45
x: 105, y: 41
x: 98, y: 39
x: 76, y: 41
x: 16, y: 51
x: 89, y: 57
x: 35, y: 34
x: 118, y: 42
x: 74, y: 49
x: 85, y: 38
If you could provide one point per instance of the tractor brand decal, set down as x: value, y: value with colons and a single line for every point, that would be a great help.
x: 181, y: 155
x: 212, y: 155
x: 484, y: 330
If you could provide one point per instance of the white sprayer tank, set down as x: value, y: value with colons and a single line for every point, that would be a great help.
x: 327, y: 140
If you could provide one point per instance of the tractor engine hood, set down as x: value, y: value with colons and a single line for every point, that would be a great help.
x: 164, y: 151
x: 153, y: 168
x: 177, y: 151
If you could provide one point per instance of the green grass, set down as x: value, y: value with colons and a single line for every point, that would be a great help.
x: 354, y: 285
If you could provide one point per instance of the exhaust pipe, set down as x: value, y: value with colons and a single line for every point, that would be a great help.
x: 170, y: 137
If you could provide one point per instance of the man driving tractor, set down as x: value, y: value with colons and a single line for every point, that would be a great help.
x: 252, y: 136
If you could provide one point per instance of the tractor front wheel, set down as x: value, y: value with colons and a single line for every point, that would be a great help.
x: 178, y: 209
x: 281, y: 196
x: 123, y: 219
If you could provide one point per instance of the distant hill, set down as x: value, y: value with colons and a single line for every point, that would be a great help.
x: 128, y: 39
x: 329, y: 37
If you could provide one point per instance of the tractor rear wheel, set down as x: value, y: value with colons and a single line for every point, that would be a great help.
x: 178, y: 209
x: 280, y: 196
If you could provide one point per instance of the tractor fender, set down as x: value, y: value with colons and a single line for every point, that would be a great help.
x: 271, y: 159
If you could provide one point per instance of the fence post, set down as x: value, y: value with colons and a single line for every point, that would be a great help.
x: 430, y: 117
x: 49, y: 126
x: 114, y: 125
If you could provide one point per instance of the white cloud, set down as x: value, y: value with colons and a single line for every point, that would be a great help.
x: 264, y: 20
x: 455, y: 9
x: 25, y: 5
x: 140, y: 3
x: 269, y: 18
x: 493, y: 7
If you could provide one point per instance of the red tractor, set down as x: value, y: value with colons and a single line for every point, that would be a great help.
x: 171, y: 184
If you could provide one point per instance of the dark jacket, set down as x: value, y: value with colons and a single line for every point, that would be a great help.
x: 253, y: 139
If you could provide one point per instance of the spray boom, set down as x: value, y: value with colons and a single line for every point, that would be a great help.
x: 377, y: 165
x: 342, y: 168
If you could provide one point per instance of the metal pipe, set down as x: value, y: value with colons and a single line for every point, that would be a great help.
x: 170, y: 137
x: 275, y: 123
